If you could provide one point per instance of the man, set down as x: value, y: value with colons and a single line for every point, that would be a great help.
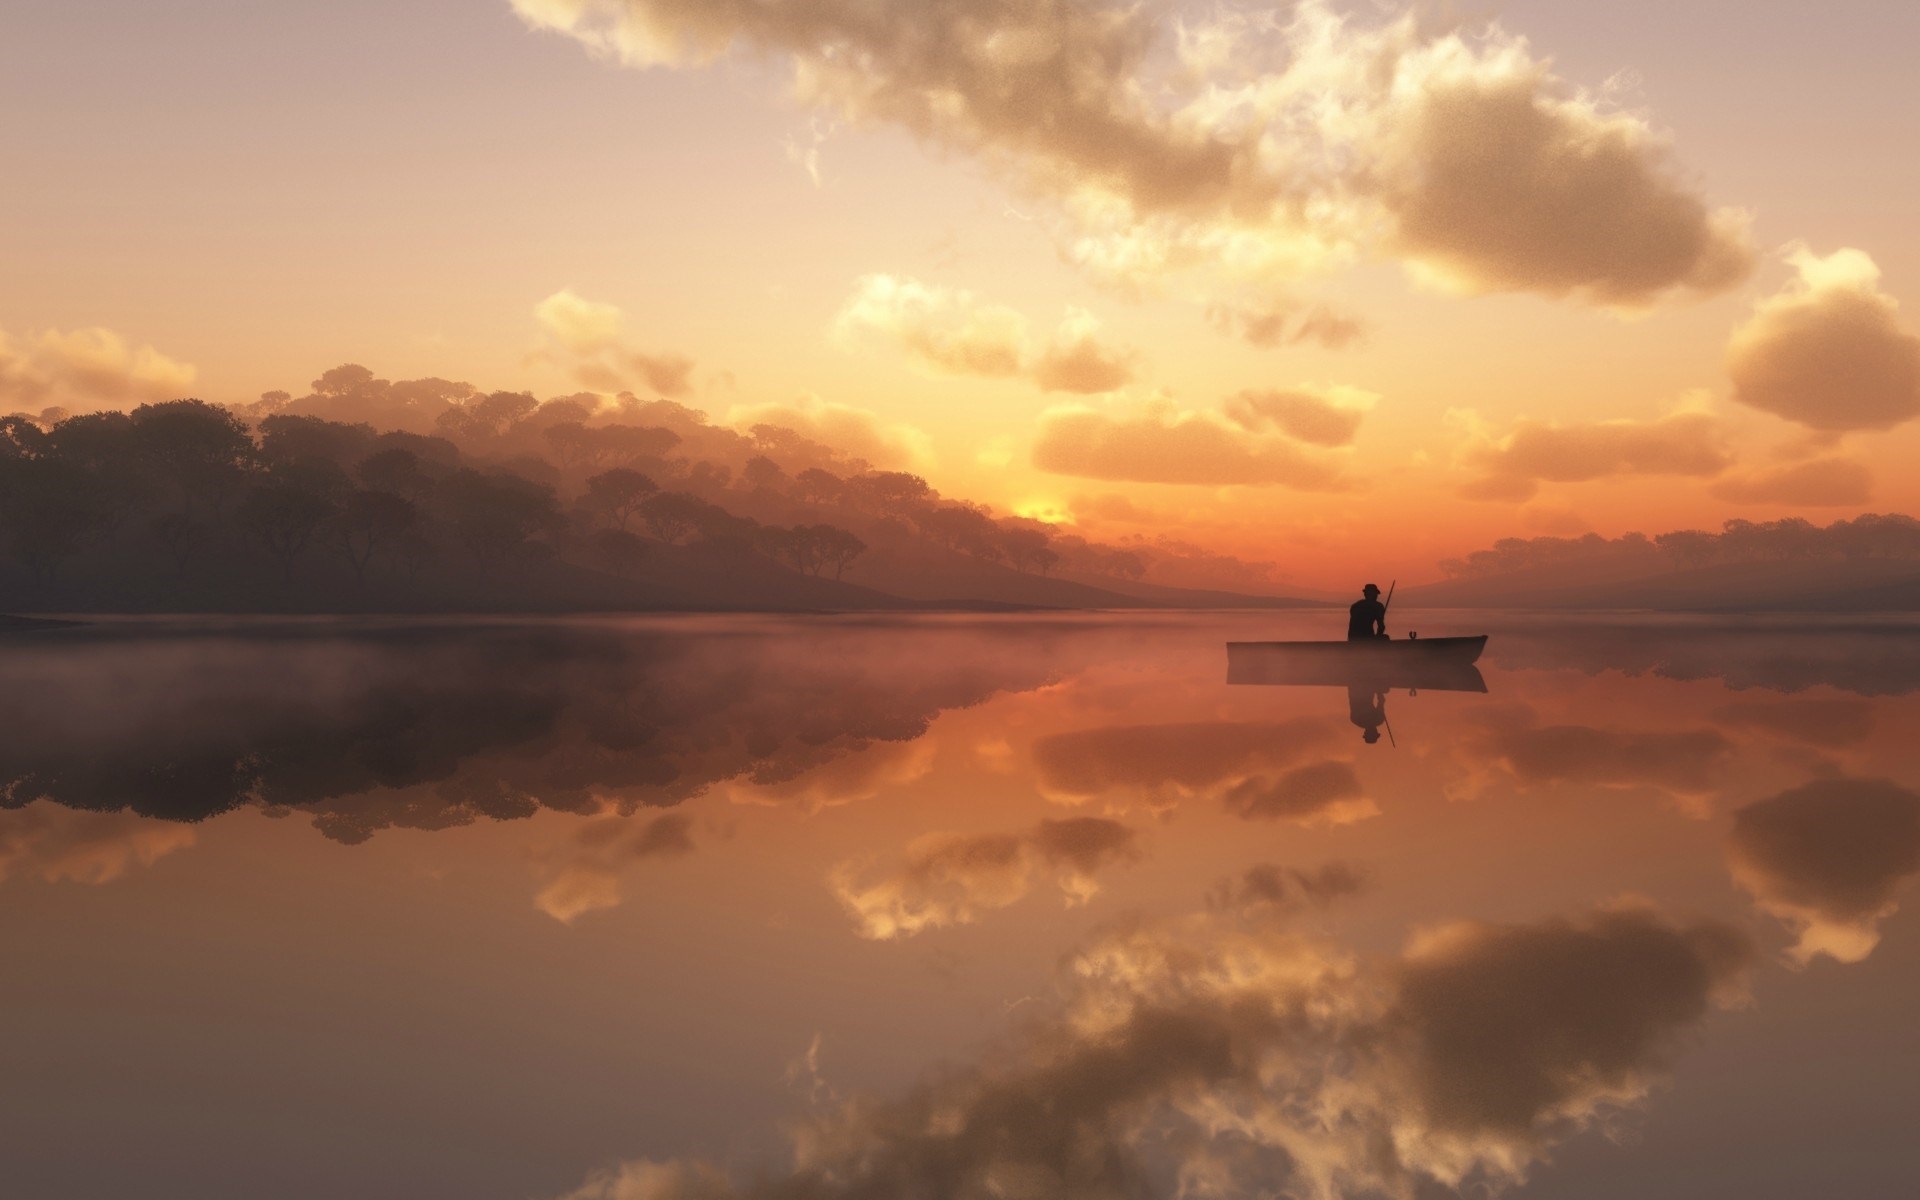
x: 1368, y: 617
x: 1367, y: 709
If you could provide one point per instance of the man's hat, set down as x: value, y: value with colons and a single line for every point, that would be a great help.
x: 1372, y: 589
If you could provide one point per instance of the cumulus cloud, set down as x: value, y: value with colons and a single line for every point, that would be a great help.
x: 1830, y: 859
x: 1272, y: 325
x: 1512, y: 468
x: 1321, y: 416
x: 86, y: 369
x: 853, y: 431
x: 1829, y: 350
x: 588, y: 338
x: 1816, y: 483
x: 1222, y: 1055
x: 1244, y: 143
x: 949, y: 879
x: 1259, y: 770
x: 954, y: 332
x: 588, y: 877
x: 1160, y: 444
x: 1830, y: 724
x: 1683, y: 763
x: 1270, y: 888
x: 57, y: 844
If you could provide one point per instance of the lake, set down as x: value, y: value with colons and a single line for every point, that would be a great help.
x: 1021, y: 906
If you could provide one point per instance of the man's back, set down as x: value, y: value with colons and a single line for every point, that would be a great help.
x: 1367, y: 618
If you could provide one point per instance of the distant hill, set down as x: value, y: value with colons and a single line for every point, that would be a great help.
x: 1863, y: 585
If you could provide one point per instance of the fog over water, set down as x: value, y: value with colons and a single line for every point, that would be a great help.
x: 1026, y: 906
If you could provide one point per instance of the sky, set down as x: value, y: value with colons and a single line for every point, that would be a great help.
x: 1341, y: 286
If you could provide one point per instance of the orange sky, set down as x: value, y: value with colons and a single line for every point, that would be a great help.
x: 1583, y: 269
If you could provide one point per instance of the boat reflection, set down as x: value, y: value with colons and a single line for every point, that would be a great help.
x: 1367, y: 677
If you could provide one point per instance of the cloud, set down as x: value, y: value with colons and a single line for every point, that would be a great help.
x: 1817, y: 483
x: 853, y: 431
x: 1171, y: 763
x: 949, y: 879
x: 1273, y: 325
x: 589, y: 877
x: 1243, y: 143
x: 1222, y: 1055
x: 1323, y: 793
x: 953, y: 332
x: 1163, y: 445
x: 589, y: 340
x: 1513, y: 468
x: 1271, y: 888
x: 56, y: 844
x: 1829, y: 350
x: 1321, y: 416
x: 1684, y: 763
x: 86, y: 369
x: 1829, y: 858
x: 1830, y: 724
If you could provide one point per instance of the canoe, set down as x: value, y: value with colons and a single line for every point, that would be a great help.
x: 1438, y: 664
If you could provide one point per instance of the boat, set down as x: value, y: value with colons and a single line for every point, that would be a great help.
x: 1443, y: 664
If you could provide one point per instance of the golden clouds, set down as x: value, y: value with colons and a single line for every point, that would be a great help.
x: 1161, y: 444
x: 1829, y: 350
x: 1227, y: 1054
x: 953, y: 332
x: 589, y: 876
x: 1514, y: 467
x: 949, y: 879
x: 1816, y: 483
x: 86, y: 368
x: 589, y: 341
x: 1829, y: 858
x: 57, y: 844
x: 1239, y: 144
x: 1321, y: 416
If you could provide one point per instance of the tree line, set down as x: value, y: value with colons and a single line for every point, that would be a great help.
x: 1870, y: 536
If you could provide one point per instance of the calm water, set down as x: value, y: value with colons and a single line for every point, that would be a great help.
x: 695, y: 908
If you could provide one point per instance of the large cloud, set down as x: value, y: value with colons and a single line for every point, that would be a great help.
x: 1238, y: 142
x: 57, y: 844
x: 954, y: 332
x: 1321, y: 416
x: 589, y: 877
x: 1222, y: 1057
x: 1684, y: 763
x: 949, y: 879
x: 1829, y: 351
x: 88, y: 369
x: 1816, y: 483
x: 1163, y: 765
x: 1830, y: 859
x: 590, y: 341
x: 1513, y: 468
x: 1160, y: 444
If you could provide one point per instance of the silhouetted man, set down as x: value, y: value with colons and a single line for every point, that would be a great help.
x: 1368, y: 617
x: 1367, y: 709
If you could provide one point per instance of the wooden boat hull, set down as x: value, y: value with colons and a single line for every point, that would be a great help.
x: 1437, y: 664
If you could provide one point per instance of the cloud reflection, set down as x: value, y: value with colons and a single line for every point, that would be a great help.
x: 1216, y: 1056
x: 1829, y: 859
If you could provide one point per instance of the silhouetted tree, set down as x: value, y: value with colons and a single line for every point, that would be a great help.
x: 204, y: 452
x: 671, y: 516
x: 622, y: 552
x: 496, y: 516
x: 369, y: 523
x: 618, y: 494
x: 396, y: 471
x: 282, y: 519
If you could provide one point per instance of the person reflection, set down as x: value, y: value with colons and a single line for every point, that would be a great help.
x: 1367, y: 708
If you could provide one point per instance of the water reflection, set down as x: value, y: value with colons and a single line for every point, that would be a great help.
x: 1043, y: 906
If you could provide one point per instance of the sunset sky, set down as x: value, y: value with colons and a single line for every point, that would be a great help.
x: 1327, y: 284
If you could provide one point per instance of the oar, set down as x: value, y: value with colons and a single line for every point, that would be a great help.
x: 1392, y: 584
x: 1391, y: 740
